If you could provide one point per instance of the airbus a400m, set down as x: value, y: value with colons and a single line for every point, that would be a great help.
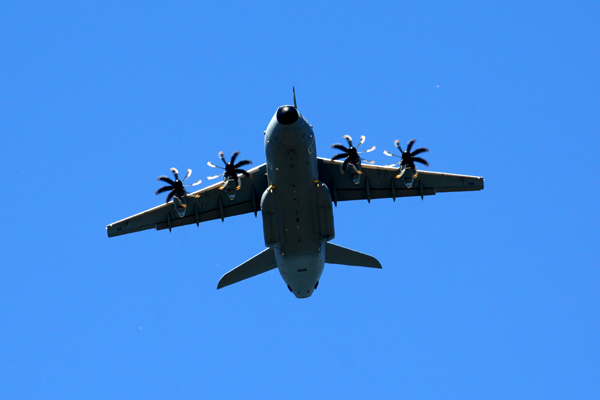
x: 294, y: 190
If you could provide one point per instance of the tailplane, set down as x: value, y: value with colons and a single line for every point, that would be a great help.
x: 335, y: 254
x: 262, y: 262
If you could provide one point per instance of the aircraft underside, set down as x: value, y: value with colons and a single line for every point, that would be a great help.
x: 297, y: 211
x: 294, y: 191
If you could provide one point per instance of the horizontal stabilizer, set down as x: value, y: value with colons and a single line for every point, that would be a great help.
x: 335, y: 254
x: 262, y: 262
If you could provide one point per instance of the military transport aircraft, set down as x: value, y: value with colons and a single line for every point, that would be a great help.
x: 294, y: 190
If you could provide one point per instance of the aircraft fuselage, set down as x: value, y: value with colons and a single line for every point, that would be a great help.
x: 297, y: 215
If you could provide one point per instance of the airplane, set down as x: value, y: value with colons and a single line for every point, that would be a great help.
x: 294, y: 191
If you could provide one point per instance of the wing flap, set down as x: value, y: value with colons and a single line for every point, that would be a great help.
x: 193, y: 216
x: 361, y: 193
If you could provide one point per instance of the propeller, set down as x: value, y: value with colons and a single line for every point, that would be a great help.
x: 408, y: 157
x: 351, y: 154
x: 176, y: 188
x: 232, y: 169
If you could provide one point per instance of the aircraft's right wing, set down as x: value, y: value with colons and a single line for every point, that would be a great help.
x: 379, y: 182
x: 204, y: 205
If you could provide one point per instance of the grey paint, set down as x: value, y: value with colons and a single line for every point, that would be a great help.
x: 336, y: 254
x: 262, y: 262
x: 297, y: 206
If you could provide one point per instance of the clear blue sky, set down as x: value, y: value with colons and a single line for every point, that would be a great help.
x: 485, y: 295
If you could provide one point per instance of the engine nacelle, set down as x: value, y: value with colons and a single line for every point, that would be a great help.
x: 180, y: 205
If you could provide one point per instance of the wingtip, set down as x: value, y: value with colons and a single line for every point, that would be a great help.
x: 222, y: 283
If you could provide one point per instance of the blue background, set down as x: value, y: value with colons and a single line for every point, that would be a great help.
x: 491, y: 294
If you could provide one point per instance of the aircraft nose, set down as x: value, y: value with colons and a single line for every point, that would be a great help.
x: 287, y: 115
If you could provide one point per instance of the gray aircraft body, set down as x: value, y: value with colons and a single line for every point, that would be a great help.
x: 294, y: 190
x: 293, y: 175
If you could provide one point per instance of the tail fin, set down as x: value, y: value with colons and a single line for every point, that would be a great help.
x: 335, y: 254
x: 262, y: 262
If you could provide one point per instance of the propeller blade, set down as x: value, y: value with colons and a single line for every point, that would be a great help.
x: 362, y: 140
x: 392, y: 165
x: 233, y: 157
x: 214, y: 166
x: 195, y: 183
x: 242, y: 163
x: 245, y: 173
x: 419, y: 151
x: 367, y: 161
x: 337, y: 157
x: 165, y: 179
x: 210, y: 178
x: 345, y: 164
x: 348, y: 139
x: 224, y: 185
x: 163, y: 189
x: 189, y: 172
x: 170, y: 196
x: 368, y: 151
x: 410, y: 145
x: 222, y: 158
x: 340, y: 148
x: 397, y: 144
x: 387, y: 153
x: 420, y: 160
x: 176, y: 173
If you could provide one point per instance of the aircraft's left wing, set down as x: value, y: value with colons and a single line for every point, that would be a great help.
x: 379, y: 182
x: 204, y: 205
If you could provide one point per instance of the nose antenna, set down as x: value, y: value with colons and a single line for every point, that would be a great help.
x: 294, y: 90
